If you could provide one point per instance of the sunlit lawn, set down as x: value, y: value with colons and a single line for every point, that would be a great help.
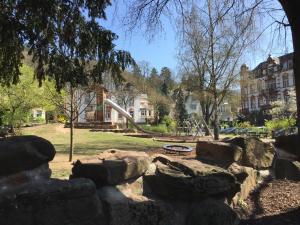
x: 85, y: 143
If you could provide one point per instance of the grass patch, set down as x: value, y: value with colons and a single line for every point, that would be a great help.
x: 86, y: 143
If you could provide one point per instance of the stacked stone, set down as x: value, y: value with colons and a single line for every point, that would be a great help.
x: 29, y: 197
x: 248, y: 158
x: 136, y: 189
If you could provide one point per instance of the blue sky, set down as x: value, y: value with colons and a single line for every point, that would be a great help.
x: 162, y: 50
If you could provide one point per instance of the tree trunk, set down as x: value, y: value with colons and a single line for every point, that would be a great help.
x: 291, y: 8
x: 216, y: 121
x: 71, y: 126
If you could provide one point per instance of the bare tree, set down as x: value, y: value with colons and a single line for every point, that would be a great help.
x: 73, y: 101
x: 213, y: 42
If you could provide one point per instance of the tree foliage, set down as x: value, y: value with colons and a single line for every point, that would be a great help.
x: 63, y: 38
x: 17, y: 101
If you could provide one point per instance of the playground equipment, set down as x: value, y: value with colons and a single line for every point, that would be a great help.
x: 177, y: 149
x: 124, y: 113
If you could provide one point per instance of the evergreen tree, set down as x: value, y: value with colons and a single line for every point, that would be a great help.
x: 180, y: 111
x: 63, y: 38
x: 167, y: 81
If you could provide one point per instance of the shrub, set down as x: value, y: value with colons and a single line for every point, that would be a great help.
x: 245, y: 124
x: 160, y: 128
x: 170, y: 123
x: 277, y: 124
x: 62, y: 119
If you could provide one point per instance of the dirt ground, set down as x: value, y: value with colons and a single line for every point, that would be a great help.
x: 61, y: 167
x: 277, y: 202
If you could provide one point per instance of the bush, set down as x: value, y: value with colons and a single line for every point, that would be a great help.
x: 277, y: 124
x: 160, y: 128
x: 245, y: 124
x: 62, y: 119
x: 170, y: 123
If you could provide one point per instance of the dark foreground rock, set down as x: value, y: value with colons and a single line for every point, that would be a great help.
x: 112, y: 167
x: 212, y: 212
x: 287, y: 169
x: 256, y: 153
x: 24, y: 153
x: 13, y: 181
x: 190, y: 180
x: 52, y: 202
x: 218, y: 151
x: 289, y: 143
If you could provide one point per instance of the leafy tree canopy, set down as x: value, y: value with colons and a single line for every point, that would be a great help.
x: 63, y: 38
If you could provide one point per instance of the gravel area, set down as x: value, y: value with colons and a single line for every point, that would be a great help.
x: 276, y: 202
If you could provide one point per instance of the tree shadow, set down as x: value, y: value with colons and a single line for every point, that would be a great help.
x: 288, y: 218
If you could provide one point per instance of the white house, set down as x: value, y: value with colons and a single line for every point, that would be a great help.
x: 192, y: 106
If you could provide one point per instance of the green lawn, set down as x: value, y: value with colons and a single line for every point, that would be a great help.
x: 86, y: 143
x: 89, y: 143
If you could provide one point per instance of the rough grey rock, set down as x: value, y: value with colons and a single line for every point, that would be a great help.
x: 287, y: 169
x: 218, y: 151
x: 52, y: 202
x: 256, y: 153
x: 190, y: 180
x: 124, y: 207
x: 24, y: 153
x: 112, y: 167
x: 212, y: 212
x: 247, y: 176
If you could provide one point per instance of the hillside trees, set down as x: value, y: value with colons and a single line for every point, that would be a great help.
x: 17, y: 101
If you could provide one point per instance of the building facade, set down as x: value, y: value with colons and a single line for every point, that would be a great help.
x: 93, y: 109
x: 270, y: 81
x: 192, y: 106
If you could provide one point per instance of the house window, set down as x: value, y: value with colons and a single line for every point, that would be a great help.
x: 108, y: 112
x: 259, y: 86
x: 193, y: 106
x: 270, y: 70
x: 290, y: 64
x: 131, y: 112
x: 87, y: 98
x: 143, y: 112
x: 285, y: 66
x: 286, y: 96
x: 253, y: 102
x: 149, y: 112
x: 39, y: 113
x: 252, y: 89
x: 272, y: 84
x: 120, y: 116
x: 285, y: 80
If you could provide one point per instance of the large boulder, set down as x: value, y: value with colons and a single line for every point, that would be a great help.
x: 247, y: 177
x: 125, y: 207
x: 52, y: 202
x: 13, y: 181
x: 190, y: 180
x: 112, y: 167
x: 218, y: 151
x: 256, y: 153
x: 289, y: 143
x: 24, y: 153
x: 212, y: 212
x: 287, y: 169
